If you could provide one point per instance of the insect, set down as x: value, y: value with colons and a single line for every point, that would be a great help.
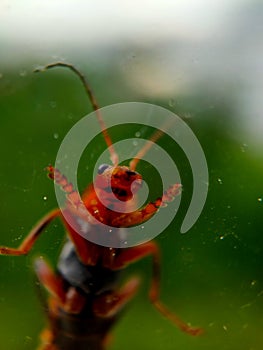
x: 85, y: 299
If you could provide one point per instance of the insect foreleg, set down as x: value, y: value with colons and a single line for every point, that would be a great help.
x: 30, y: 239
x: 141, y: 215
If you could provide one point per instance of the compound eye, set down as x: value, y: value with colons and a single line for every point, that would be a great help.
x: 102, y: 168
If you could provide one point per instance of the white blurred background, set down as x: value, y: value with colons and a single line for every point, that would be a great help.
x: 162, y: 48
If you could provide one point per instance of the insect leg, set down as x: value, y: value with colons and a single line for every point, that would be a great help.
x: 30, y: 239
x: 61, y: 180
x: 47, y: 337
x: 52, y: 282
x: 109, y: 304
x: 72, y: 195
x: 69, y: 299
x: 128, y: 256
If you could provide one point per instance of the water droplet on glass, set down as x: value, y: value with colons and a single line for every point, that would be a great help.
x: 56, y: 136
x: 18, y: 238
x: 137, y: 134
x: 244, y: 147
x: 28, y: 339
x: 171, y: 102
x: 45, y: 198
x: 23, y: 73
x: 188, y: 115
x: 259, y: 199
x: 53, y: 104
x: 219, y: 181
x: 135, y: 143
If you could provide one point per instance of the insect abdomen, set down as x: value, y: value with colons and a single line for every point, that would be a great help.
x: 82, y: 332
x: 92, y: 280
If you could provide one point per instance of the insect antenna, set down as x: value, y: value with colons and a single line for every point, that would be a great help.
x: 149, y: 144
x: 113, y: 155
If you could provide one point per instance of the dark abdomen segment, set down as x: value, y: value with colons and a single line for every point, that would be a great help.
x: 78, y: 332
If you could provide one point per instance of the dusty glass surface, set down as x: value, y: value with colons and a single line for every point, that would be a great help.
x: 206, y: 71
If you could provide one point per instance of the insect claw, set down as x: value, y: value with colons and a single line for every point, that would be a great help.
x: 163, y: 205
x: 193, y: 331
x: 51, y: 172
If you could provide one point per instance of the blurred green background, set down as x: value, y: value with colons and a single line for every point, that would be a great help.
x: 213, y: 275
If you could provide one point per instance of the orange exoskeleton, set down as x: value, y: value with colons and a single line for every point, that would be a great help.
x: 85, y: 298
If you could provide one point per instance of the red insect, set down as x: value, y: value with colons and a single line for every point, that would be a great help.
x: 85, y: 298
